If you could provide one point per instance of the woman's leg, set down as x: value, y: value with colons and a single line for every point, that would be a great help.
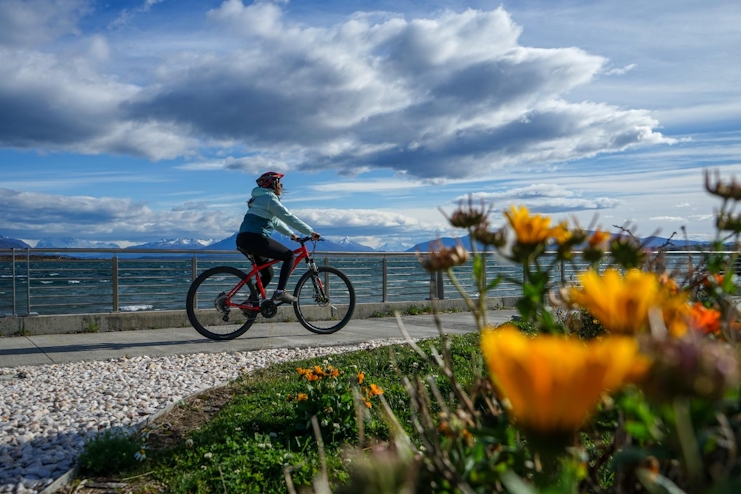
x: 267, y: 247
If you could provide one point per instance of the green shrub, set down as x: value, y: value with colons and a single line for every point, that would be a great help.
x: 112, y: 452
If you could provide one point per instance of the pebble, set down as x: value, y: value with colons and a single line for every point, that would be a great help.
x: 47, y: 412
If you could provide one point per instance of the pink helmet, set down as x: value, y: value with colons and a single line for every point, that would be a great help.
x: 269, y: 179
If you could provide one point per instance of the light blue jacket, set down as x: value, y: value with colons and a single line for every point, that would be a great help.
x: 266, y: 214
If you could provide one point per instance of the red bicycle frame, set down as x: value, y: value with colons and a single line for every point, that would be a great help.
x: 301, y: 254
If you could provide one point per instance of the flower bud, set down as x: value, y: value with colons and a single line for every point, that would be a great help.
x: 691, y: 367
x: 443, y: 258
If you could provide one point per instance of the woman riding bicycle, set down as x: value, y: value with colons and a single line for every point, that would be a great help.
x: 265, y: 215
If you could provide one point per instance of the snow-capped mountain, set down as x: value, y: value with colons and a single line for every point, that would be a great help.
x: 12, y: 243
x: 352, y: 246
x: 393, y: 247
x: 175, y: 243
x: 324, y: 246
x: 73, y: 243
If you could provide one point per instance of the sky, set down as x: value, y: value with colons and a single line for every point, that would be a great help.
x: 134, y: 121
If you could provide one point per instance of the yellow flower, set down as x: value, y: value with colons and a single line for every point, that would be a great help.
x: 561, y: 233
x: 621, y: 304
x: 554, y: 382
x: 361, y: 377
x: 302, y: 397
x: 530, y: 230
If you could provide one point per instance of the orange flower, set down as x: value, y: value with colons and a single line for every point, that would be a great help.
x: 302, y: 397
x: 707, y: 281
x: 705, y: 320
x: 599, y: 239
x: 302, y: 372
x: 368, y: 404
x: 361, y: 377
x: 310, y: 376
x: 551, y: 393
x: 335, y: 373
x: 375, y: 390
x: 318, y: 370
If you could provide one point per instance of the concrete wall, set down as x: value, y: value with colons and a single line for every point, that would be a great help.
x: 126, y: 321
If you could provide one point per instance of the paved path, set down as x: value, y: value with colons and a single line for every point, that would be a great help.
x: 61, y: 348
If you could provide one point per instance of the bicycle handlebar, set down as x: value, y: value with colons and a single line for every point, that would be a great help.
x: 303, y: 240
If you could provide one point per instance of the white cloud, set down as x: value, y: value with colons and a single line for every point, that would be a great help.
x: 34, y: 22
x: 452, y: 95
x: 254, y: 165
x: 126, y: 14
x: 543, y: 198
x: 672, y: 219
x: 105, y: 218
x: 620, y: 70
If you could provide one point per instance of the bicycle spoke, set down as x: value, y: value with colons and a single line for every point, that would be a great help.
x: 208, y: 307
x: 326, y: 300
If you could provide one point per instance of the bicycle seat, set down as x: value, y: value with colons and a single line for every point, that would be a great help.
x: 248, y: 254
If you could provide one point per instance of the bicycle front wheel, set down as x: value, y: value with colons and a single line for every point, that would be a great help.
x: 207, y: 303
x: 326, y: 300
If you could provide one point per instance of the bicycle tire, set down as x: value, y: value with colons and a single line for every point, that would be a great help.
x: 320, y: 314
x: 202, y: 299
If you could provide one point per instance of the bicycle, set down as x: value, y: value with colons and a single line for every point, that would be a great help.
x: 223, y: 302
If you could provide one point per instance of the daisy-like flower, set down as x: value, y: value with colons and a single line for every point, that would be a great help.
x: 599, y: 239
x: 554, y: 382
x: 302, y: 397
x: 375, y: 390
x: 361, y: 377
x: 531, y: 229
x: 310, y: 376
x: 620, y: 303
x: 705, y: 320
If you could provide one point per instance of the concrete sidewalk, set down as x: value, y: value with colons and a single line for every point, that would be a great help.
x: 61, y: 348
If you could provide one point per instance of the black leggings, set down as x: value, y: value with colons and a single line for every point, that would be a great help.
x: 264, y: 249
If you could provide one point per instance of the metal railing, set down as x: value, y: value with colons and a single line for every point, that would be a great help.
x: 72, y: 281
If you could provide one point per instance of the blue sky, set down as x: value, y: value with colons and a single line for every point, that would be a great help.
x: 136, y: 121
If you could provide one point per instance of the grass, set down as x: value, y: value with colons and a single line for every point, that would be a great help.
x: 91, y: 327
x: 249, y: 443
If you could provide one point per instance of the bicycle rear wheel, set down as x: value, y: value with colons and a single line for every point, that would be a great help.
x: 326, y: 300
x: 206, y: 303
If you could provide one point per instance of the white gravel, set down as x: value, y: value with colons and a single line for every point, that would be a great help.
x: 47, y: 412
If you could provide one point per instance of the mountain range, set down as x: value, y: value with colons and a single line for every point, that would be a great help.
x: 326, y: 245
x: 12, y: 243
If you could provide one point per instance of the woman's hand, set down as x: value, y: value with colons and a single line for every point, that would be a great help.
x: 315, y: 236
x: 294, y: 237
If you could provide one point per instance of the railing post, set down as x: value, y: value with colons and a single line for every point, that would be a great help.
x: 440, y: 285
x: 13, y: 269
x: 114, y: 281
x: 384, y: 280
x: 28, y: 281
x: 563, y: 272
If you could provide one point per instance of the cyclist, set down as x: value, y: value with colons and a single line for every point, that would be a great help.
x: 266, y: 214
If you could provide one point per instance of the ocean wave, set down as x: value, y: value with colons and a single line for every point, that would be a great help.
x: 46, y: 282
x: 134, y: 308
x: 73, y: 282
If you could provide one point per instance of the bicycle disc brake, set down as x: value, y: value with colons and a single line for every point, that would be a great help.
x: 221, y: 307
x: 268, y: 309
x: 319, y: 296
